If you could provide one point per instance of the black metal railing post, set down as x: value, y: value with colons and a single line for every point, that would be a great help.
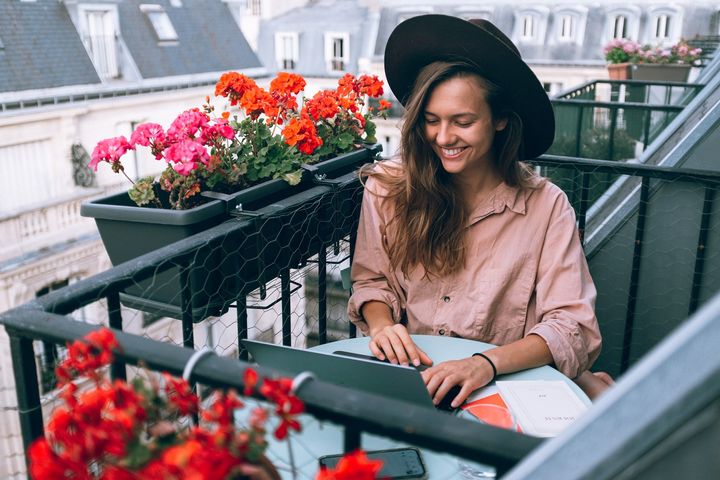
x: 635, y: 274
x: 26, y: 387
x: 117, y: 369
x: 286, y: 317
x: 706, y: 215
x: 242, y: 324
x: 322, y: 295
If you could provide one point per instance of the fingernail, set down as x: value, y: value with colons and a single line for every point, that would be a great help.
x: 416, y: 362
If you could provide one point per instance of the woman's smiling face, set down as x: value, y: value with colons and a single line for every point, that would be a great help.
x: 460, y: 128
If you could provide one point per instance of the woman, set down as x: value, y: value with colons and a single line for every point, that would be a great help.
x: 461, y: 238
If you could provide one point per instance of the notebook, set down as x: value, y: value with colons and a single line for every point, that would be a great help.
x: 367, y: 374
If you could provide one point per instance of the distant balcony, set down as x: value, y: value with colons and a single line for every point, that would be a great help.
x: 616, y: 119
x: 37, y: 228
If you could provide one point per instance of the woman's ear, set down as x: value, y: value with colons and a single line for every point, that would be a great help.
x: 501, y: 123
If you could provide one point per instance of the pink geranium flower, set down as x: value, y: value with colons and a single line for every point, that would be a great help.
x: 187, y: 124
x: 109, y: 150
x: 185, y: 155
x: 149, y: 135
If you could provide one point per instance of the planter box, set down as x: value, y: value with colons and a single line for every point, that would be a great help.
x: 618, y: 71
x: 661, y: 73
x: 129, y: 231
x: 651, y: 72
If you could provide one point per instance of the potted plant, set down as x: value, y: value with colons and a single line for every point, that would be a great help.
x: 254, y: 149
x: 629, y: 60
x: 115, y: 430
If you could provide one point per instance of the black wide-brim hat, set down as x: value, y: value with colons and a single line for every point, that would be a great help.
x: 424, y: 39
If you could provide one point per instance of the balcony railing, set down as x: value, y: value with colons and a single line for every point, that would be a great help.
x: 37, y: 228
x: 291, y: 240
x: 616, y: 119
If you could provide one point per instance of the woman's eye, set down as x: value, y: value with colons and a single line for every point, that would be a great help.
x: 464, y: 124
x: 430, y: 121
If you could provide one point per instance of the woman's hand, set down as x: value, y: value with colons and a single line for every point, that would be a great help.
x: 469, y: 373
x: 394, y: 343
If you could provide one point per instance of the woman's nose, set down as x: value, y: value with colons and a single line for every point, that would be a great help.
x: 444, y: 134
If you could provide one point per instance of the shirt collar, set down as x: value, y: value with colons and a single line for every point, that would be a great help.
x: 504, y: 196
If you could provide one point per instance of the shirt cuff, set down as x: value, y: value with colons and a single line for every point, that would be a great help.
x: 567, y: 347
x: 361, y: 297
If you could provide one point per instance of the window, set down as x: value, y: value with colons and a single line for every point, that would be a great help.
x: 286, y: 50
x: 336, y: 51
x: 528, y: 27
x: 567, y: 27
x: 161, y: 22
x: 531, y: 25
x: 570, y: 24
x: 253, y: 7
x: 620, y: 27
x: 622, y: 22
x: 662, y: 26
x: 100, y: 40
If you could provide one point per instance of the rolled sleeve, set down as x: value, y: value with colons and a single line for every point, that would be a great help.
x: 565, y: 295
x: 371, y: 266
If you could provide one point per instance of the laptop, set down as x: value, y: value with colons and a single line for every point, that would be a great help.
x: 358, y: 371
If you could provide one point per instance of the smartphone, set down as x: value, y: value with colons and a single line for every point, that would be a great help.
x: 398, y: 463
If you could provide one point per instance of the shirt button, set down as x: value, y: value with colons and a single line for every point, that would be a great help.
x: 441, y: 331
x: 446, y: 299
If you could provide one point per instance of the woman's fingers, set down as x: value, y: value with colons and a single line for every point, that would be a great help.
x: 394, y: 343
x: 462, y: 395
x: 376, y: 350
x: 442, y: 377
x: 415, y: 355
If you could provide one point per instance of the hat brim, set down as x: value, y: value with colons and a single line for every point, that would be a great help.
x: 424, y: 39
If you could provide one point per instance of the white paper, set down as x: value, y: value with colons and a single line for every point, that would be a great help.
x: 543, y: 408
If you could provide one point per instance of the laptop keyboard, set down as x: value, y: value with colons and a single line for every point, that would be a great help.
x: 444, y: 404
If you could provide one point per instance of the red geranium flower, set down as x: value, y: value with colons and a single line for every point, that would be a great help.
x: 352, y: 466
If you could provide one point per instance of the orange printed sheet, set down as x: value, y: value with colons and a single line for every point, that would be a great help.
x: 484, y: 409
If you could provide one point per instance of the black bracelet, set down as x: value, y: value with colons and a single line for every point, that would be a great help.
x: 491, y: 364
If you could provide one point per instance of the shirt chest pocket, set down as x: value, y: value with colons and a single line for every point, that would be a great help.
x: 502, y: 303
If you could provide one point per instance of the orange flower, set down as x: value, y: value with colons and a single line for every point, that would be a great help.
x: 369, y: 85
x: 233, y: 85
x: 323, y: 105
x: 287, y: 83
x: 301, y: 132
x: 256, y: 101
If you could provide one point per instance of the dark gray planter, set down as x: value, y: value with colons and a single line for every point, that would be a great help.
x: 652, y: 72
x: 129, y: 231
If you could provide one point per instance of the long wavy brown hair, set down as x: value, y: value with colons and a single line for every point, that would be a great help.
x: 428, y: 226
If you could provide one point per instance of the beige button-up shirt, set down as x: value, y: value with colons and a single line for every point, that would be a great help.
x: 526, y: 273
